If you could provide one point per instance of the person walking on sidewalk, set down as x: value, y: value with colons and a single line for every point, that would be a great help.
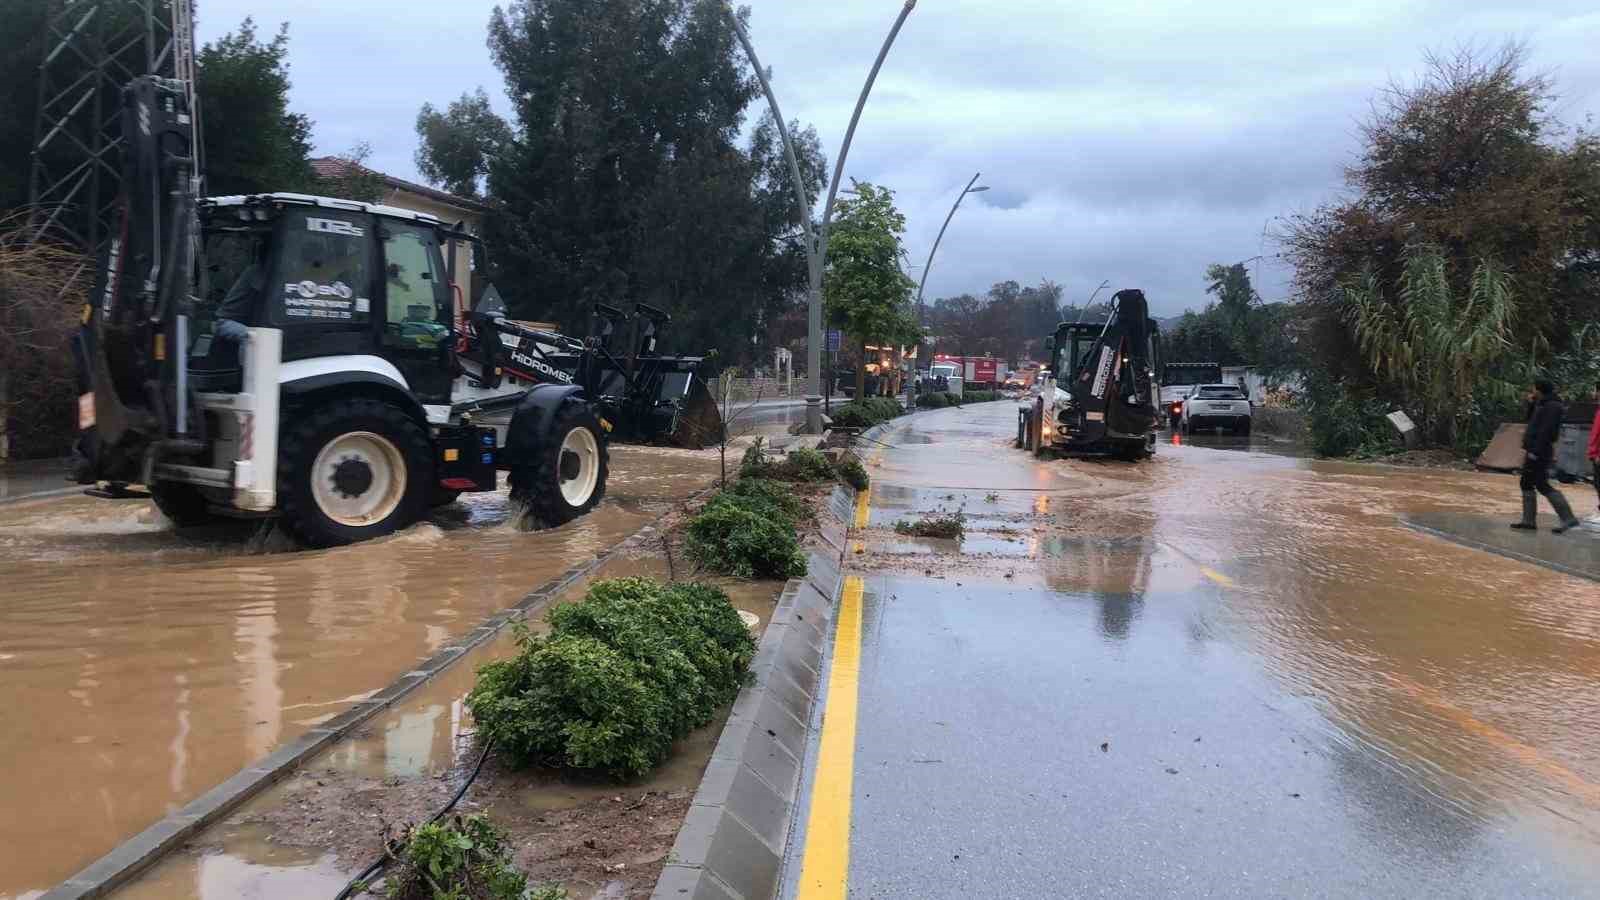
x: 1594, y: 452
x: 1545, y: 411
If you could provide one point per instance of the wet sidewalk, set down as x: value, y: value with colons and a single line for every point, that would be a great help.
x: 33, y: 477
x: 1575, y: 553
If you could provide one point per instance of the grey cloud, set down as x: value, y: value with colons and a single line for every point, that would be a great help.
x: 1133, y: 142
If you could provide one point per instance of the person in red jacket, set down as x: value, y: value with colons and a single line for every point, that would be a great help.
x: 1594, y: 452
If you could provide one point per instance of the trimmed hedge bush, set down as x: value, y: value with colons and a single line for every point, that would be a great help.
x: 939, y: 400
x: 624, y: 673
x: 866, y: 412
x: 805, y: 464
x: 851, y: 472
x: 775, y: 494
x: 745, y: 537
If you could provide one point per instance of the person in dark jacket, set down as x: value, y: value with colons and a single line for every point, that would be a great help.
x: 1545, y: 412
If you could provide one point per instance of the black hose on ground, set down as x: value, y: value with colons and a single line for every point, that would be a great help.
x: 378, y: 864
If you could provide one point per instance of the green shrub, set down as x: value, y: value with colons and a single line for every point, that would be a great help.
x: 806, y: 464
x: 734, y: 539
x: 573, y: 702
x: 463, y: 859
x: 933, y: 400
x: 885, y: 408
x: 774, y: 493
x: 853, y: 415
x: 686, y: 637
x: 754, y: 462
x: 851, y: 472
x: 625, y: 672
x: 1342, y: 422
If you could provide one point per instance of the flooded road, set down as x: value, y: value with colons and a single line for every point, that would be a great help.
x: 1218, y: 671
x: 139, y: 666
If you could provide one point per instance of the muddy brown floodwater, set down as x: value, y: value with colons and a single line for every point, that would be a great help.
x: 139, y: 667
x: 310, y: 834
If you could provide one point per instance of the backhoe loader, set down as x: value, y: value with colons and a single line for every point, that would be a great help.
x: 297, y: 356
x: 1098, y: 393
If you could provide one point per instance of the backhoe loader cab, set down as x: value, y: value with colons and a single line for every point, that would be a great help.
x: 310, y: 371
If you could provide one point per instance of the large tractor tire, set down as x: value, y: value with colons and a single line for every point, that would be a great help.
x: 352, y: 470
x: 182, y: 504
x: 567, y: 476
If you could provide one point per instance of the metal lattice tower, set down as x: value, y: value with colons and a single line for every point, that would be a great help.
x: 95, y: 47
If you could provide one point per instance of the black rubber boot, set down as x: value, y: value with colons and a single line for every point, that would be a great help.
x: 1530, y: 512
x: 1563, y: 512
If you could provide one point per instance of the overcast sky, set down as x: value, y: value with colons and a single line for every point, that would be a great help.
x: 1128, y: 141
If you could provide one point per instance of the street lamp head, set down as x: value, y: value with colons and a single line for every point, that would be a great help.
x: 974, y: 190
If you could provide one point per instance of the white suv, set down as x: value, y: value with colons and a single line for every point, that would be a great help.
x: 1214, y: 406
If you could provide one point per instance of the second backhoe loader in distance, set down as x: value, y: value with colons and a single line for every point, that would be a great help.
x: 1098, y: 394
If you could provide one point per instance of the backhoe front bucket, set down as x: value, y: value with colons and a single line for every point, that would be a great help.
x: 698, y: 423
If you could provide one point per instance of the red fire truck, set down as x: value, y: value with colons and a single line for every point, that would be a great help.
x: 978, y: 372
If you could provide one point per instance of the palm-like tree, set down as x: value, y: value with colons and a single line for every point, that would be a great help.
x: 1429, y: 340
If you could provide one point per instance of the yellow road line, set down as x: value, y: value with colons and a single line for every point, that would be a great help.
x: 1528, y: 756
x: 1218, y: 577
x: 825, y: 867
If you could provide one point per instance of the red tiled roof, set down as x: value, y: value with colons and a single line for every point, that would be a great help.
x: 337, y: 167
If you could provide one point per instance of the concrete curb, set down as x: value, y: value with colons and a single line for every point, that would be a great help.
x: 1499, y: 551
x: 134, y: 855
x: 732, y: 843
x: 42, y: 495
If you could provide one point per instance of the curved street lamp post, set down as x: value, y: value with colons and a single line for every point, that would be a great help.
x: 926, y: 267
x: 816, y: 246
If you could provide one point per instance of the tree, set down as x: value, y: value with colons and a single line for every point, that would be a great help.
x: 1434, y: 343
x: 624, y: 178
x: 1236, y: 300
x: 960, y: 322
x: 347, y: 177
x: 1010, y: 321
x: 1468, y: 162
x: 458, y: 143
x: 865, y: 291
x: 252, y: 142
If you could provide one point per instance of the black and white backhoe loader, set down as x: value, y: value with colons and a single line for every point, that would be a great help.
x: 1099, y: 392
x: 291, y: 355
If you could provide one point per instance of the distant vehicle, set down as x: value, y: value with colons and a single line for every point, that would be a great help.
x: 1178, y: 380
x: 976, y: 372
x: 1216, y: 406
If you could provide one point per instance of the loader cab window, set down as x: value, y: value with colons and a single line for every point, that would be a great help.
x: 417, y: 311
x: 232, y: 279
x: 324, y: 269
